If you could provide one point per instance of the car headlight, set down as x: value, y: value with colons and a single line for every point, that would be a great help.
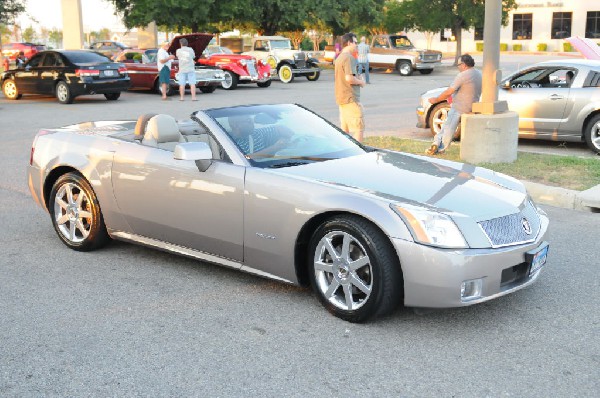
x: 430, y: 227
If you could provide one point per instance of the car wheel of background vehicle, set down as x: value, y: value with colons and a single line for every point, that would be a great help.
x: 438, y: 116
x: 76, y: 214
x: 314, y: 76
x: 285, y: 74
x: 354, y: 269
x: 231, y: 80
x: 264, y: 84
x: 425, y: 71
x: 208, y: 89
x: 112, y: 96
x: 592, y: 133
x: 63, y: 93
x: 10, y: 90
x: 404, y: 68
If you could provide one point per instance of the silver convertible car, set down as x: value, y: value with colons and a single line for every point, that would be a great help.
x: 278, y: 191
x: 555, y: 100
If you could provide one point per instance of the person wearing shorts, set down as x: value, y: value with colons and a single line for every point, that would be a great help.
x: 347, y: 89
x: 163, y: 64
x: 187, y: 72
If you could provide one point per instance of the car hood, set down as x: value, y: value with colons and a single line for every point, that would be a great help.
x: 446, y: 186
x: 197, y: 41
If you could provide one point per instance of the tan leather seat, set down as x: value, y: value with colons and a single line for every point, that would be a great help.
x: 162, y: 132
x: 140, y: 126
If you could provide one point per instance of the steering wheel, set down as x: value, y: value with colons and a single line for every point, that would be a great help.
x: 523, y: 84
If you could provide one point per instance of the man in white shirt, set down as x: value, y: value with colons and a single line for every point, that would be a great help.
x: 163, y: 63
x: 187, y: 73
x: 363, y: 58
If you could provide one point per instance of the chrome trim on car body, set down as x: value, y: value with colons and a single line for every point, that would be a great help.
x: 198, y: 255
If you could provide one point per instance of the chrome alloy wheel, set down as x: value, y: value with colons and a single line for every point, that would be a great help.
x: 438, y: 118
x: 343, y: 271
x: 10, y: 89
x: 595, y: 136
x: 62, y: 92
x: 72, y: 213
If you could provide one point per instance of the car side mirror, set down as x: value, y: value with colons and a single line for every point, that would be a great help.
x: 505, y: 85
x: 199, y: 152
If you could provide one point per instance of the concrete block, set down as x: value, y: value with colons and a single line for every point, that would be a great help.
x: 489, y: 138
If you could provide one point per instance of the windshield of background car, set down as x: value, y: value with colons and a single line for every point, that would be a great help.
x: 283, y: 135
x: 150, y: 56
x: 280, y: 45
x: 400, y: 41
x: 86, y: 57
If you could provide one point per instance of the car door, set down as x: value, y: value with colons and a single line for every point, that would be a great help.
x: 539, y: 100
x: 172, y: 201
x: 27, y: 77
x: 49, y: 72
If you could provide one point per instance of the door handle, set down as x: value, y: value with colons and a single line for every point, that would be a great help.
x: 556, y: 97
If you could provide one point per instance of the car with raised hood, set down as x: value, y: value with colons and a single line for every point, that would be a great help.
x: 66, y: 74
x: 278, y: 191
x: 286, y: 62
x: 237, y: 68
x: 141, y: 66
x: 556, y: 100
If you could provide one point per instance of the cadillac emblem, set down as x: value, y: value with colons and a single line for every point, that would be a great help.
x: 526, y: 226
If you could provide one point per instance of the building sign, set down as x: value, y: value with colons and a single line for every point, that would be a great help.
x: 546, y: 4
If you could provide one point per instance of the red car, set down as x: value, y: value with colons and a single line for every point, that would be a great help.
x: 142, y: 70
x: 11, y: 50
x: 236, y: 67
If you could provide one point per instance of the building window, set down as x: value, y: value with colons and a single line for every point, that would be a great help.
x: 561, y: 25
x: 592, y: 25
x: 522, y: 26
x: 479, y: 33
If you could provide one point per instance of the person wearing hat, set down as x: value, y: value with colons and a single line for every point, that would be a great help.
x: 163, y: 63
x: 465, y: 89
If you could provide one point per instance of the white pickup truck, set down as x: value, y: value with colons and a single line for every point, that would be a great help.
x: 397, y: 52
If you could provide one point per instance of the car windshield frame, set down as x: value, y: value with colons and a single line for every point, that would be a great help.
x: 283, y: 135
x: 280, y: 44
x: 394, y: 41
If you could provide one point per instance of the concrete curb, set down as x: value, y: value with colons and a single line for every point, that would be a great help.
x: 588, y: 200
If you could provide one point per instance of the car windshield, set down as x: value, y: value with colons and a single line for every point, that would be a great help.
x: 280, y: 44
x: 283, y: 135
x: 86, y: 57
x: 149, y: 56
x: 400, y: 42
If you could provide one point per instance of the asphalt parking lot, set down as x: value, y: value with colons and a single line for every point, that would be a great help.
x: 132, y: 321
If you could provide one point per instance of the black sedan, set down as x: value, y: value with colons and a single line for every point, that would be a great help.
x: 66, y: 74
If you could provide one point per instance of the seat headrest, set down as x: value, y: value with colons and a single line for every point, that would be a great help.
x: 140, y: 125
x: 162, y: 128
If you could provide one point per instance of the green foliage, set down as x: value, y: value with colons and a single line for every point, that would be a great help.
x: 517, y: 47
x: 322, y: 45
x: 29, y: 34
x: 306, y: 44
x: 542, y: 47
x: 10, y: 9
x: 479, y: 47
x: 55, y: 37
x: 567, y: 47
x: 503, y: 47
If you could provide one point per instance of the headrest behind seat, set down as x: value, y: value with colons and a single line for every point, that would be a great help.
x: 162, y: 132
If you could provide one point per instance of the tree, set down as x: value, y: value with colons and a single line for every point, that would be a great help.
x: 436, y: 15
x: 9, y: 9
x: 29, y: 34
x: 55, y: 37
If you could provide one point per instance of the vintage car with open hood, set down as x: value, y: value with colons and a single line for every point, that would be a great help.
x: 237, y: 68
x: 142, y: 69
x: 278, y: 191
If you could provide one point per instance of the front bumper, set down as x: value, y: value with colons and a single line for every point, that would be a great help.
x: 254, y: 79
x: 427, y: 65
x: 304, y: 71
x: 433, y: 276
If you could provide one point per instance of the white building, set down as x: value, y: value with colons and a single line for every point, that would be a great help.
x: 533, y: 22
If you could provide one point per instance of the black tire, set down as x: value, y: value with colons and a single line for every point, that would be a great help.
x: 112, y: 96
x: 77, y: 219
x: 592, y: 133
x: 404, y: 68
x: 425, y: 71
x: 231, y: 80
x: 374, y: 288
x: 63, y: 93
x: 208, y: 89
x: 285, y: 74
x: 10, y: 89
x: 313, y: 77
x: 264, y: 84
x: 170, y: 89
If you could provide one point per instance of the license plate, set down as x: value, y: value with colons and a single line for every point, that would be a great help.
x: 109, y: 72
x: 537, y: 258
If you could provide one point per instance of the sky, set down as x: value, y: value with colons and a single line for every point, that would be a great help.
x: 96, y: 14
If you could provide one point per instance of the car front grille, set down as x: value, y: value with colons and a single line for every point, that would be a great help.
x: 252, y: 69
x: 430, y: 57
x: 300, y: 59
x: 511, y: 230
